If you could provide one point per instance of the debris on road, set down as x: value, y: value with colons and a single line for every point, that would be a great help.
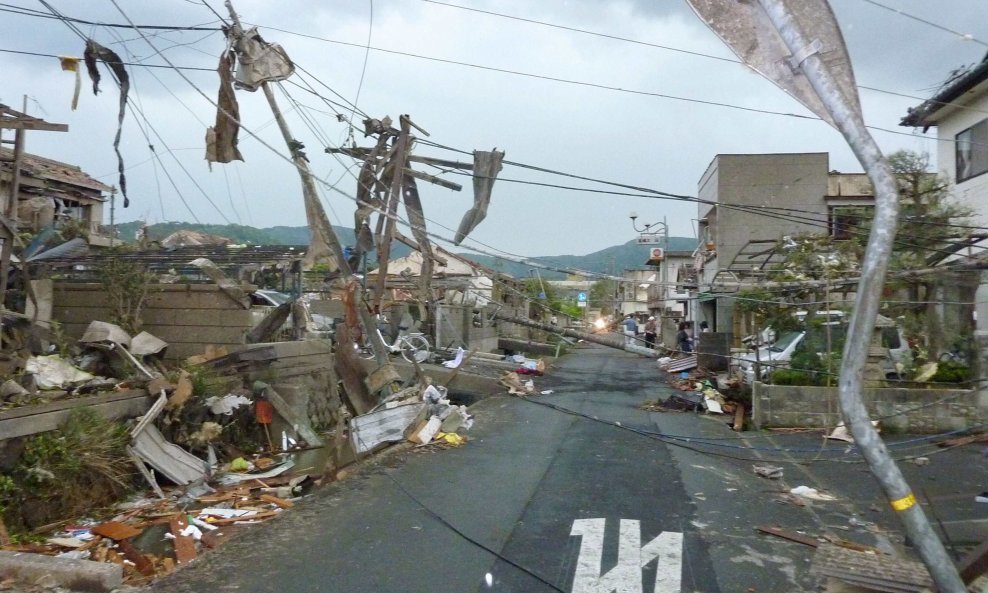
x: 772, y: 472
x: 839, y: 567
x: 811, y: 494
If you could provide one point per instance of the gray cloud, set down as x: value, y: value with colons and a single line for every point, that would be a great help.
x: 631, y: 138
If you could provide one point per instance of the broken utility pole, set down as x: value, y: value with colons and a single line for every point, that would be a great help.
x: 798, y: 45
x: 20, y: 123
x: 325, y: 244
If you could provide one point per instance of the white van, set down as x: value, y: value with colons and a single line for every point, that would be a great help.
x: 770, y: 357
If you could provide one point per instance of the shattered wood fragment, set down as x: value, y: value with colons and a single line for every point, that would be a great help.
x: 182, y: 393
x: 738, y: 417
x: 144, y: 566
x: 278, y: 502
x: 792, y: 536
x: 217, y: 537
x: 232, y: 520
x: 185, y: 545
x: 115, y: 530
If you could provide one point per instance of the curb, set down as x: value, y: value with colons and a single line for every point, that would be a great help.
x: 80, y: 575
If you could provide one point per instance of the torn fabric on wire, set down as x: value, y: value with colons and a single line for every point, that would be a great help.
x: 95, y: 51
x: 486, y: 166
x: 221, y: 138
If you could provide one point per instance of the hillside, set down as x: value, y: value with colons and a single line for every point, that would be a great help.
x: 611, y: 260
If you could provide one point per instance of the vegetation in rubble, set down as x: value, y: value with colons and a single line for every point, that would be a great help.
x: 126, y: 285
x: 952, y: 372
x: 194, y: 427
x: 66, y: 472
x: 58, y: 339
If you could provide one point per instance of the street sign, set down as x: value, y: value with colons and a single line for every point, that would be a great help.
x: 581, y: 303
x: 649, y: 239
x: 581, y: 297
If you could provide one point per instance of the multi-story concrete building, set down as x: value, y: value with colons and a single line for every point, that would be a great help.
x: 749, y: 204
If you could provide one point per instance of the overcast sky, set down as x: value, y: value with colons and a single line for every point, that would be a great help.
x: 629, y: 136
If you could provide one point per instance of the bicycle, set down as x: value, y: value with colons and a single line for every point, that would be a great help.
x: 413, y: 347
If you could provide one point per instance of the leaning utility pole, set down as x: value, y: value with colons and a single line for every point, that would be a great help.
x: 325, y: 242
x: 20, y: 123
x: 798, y: 45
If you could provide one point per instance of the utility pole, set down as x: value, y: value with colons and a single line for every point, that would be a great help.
x: 20, y: 122
x: 787, y: 41
x: 325, y: 242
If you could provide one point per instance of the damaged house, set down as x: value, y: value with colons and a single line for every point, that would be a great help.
x: 53, y: 192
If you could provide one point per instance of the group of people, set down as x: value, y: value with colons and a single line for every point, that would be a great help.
x: 684, y: 342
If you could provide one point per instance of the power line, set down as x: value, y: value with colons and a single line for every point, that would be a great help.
x: 964, y: 36
x: 502, y: 254
x: 67, y: 19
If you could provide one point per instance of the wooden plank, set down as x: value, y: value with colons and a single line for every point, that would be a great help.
x: 145, y: 566
x: 799, y: 538
x: 738, y: 417
x: 233, y: 520
x: 299, y: 423
x: 974, y: 564
x: 185, y: 545
x: 67, y: 404
x: 35, y: 423
x: 278, y: 502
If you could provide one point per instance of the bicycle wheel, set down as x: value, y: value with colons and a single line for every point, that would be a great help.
x: 415, y: 349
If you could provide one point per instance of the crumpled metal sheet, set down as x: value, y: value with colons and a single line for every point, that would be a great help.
x: 260, y: 61
x: 486, y: 166
x: 95, y: 51
x: 747, y: 30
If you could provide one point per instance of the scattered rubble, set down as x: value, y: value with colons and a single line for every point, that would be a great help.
x: 202, y: 442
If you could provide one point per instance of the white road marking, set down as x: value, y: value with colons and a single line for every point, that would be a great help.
x: 626, y: 576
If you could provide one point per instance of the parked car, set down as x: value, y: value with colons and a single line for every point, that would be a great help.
x: 769, y: 357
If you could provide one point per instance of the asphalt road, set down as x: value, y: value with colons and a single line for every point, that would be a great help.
x: 546, y: 498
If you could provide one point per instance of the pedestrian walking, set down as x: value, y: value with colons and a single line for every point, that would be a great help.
x: 650, y: 332
x: 683, y: 338
x: 630, y: 330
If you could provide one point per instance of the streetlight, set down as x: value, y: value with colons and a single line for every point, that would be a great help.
x: 647, y: 237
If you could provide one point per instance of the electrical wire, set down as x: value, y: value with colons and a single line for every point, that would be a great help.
x: 67, y: 19
x: 501, y: 254
x: 964, y: 36
x: 469, y: 539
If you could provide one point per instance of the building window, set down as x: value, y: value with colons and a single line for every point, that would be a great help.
x: 971, y: 148
x: 846, y: 220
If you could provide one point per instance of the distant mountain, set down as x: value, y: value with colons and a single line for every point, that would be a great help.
x: 611, y: 260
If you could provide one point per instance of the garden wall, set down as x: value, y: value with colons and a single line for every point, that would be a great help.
x: 186, y: 316
x: 914, y: 411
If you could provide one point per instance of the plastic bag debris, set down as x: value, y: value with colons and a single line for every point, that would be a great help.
x: 452, y: 364
x: 811, y: 493
x: 54, y: 372
x: 227, y: 404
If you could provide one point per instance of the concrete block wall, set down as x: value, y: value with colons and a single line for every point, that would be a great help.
x: 914, y: 411
x: 187, y: 316
x: 456, y: 329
